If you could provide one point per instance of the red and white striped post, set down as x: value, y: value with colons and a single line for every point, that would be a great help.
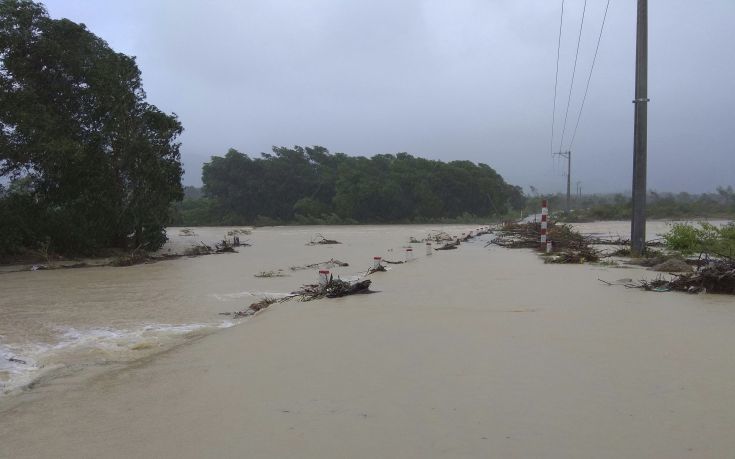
x: 409, y: 254
x: 544, y: 225
x: 376, y: 262
x: 428, y: 248
x: 323, y: 277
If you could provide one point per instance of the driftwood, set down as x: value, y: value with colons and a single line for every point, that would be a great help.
x: 379, y: 268
x: 717, y: 277
x: 574, y: 256
x: 319, y: 239
x: 331, y: 263
x: 449, y: 245
x: 278, y: 273
x: 473, y: 234
x: 337, y: 288
x: 333, y: 289
x: 255, y: 307
x: 569, y: 245
x: 224, y: 246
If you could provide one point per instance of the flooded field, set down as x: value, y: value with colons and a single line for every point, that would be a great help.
x: 476, y: 352
x: 57, y: 320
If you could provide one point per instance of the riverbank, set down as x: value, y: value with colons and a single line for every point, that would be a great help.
x: 476, y: 352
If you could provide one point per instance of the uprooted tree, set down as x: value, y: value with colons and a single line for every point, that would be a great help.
x: 87, y: 163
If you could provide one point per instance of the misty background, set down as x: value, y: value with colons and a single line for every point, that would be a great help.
x: 466, y: 79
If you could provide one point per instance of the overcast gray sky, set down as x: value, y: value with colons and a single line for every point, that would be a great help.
x: 453, y: 79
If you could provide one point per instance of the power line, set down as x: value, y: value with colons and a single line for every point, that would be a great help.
x: 592, y: 68
x: 574, y: 71
x: 556, y: 78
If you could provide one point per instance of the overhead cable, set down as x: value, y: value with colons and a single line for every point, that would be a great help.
x: 574, y: 71
x: 592, y: 68
x: 556, y: 78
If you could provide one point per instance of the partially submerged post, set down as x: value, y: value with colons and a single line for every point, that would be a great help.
x: 376, y: 262
x: 323, y: 277
x: 544, y: 221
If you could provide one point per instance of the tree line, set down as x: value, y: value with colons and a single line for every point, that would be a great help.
x: 310, y: 185
x: 85, y: 162
x: 659, y: 205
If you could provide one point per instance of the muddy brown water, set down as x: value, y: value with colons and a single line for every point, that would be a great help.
x: 475, y: 352
x: 57, y: 320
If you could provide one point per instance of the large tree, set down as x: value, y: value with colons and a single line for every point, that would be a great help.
x: 102, y: 164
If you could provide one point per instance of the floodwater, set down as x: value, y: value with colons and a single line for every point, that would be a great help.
x: 620, y: 229
x: 475, y: 352
x: 68, y: 319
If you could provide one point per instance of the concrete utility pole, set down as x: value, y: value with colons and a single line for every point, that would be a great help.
x: 640, y: 153
x: 568, y: 156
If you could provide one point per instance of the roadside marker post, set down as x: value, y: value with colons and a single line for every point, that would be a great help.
x: 544, y: 224
x: 323, y: 277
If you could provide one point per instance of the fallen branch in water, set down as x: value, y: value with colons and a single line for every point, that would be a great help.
x: 319, y: 239
x: 255, y: 307
x: 449, y: 245
x: 333, y: 289
x: 569, y: 245
x: 716, y: 277
x: 278, y: 273
x: 331, y: 263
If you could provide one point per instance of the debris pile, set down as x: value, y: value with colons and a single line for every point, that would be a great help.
x: 449, y: 245
x: 585, y: 253
x: 203, y: 249
x: 319, y: 239
x: 255, y: 307
x: 439, y: 237
x: 274, y: 273
x: 337, y: 288
x: 334, y: 288
x: 198, y: 250
x: 225, y: 247
x: 375, y: 269
x: 331, y: 263
x: 717, y: 277
x: 569, y: 245
x: 672, y: 265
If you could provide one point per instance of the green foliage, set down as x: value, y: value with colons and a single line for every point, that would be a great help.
x: 99, y: 165
x: 704, y: 238
x: 720, y: 204
x: 309, y: 185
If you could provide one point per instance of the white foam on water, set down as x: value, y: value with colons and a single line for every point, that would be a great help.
x: 73, y: 344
